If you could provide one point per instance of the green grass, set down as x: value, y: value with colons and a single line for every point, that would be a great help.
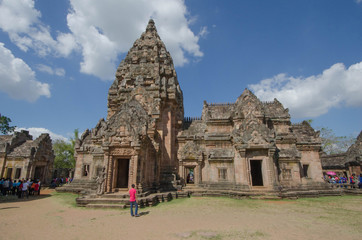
x: 67, y: 199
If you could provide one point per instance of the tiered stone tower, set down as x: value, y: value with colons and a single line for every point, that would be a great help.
x: 137, y: 142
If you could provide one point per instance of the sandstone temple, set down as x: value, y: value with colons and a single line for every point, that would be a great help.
x: 146, y: 140
x: 21, y: 157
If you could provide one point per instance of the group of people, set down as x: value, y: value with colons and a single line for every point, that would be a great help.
x: 21, y: 188
x: 56, y: 182
x: 353, y: 180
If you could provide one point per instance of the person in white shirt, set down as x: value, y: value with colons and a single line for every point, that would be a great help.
x: 24, y: 189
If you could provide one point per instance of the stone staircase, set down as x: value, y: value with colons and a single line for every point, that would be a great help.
x: 80, y: 186
x: 121, y: 200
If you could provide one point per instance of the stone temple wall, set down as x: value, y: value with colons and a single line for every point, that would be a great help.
x: 145, y: 139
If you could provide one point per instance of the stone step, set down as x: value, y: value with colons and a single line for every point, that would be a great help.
x: 98, y: 205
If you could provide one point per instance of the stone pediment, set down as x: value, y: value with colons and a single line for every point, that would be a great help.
x: 248, y: 106
x: 131, y: 120
x: 253, y: 133
x: 220, y: 154
x: 190, y: 150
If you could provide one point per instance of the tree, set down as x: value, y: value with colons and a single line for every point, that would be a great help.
x: 64, y: 155
x: 332, y: 144
x: 64, y: 152
x: 5, y: 127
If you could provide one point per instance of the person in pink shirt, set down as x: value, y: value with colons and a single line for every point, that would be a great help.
x: 133, y: 200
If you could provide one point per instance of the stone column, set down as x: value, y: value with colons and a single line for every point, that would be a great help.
x: 245, y: 167
x: 109, y: 173
x: 135, y: 167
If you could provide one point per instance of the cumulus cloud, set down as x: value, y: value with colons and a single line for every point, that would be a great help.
x: 104, y: 29
x: 17, y: 79
x: 314, y: 95
x: 36, y: 132
x: 22, y: 22
x: 47, y: 69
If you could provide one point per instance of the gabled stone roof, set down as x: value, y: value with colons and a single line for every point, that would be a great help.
x: 334, y: 161
x: 305, y: 133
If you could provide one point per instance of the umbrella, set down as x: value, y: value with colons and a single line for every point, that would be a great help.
x: 331, y: 173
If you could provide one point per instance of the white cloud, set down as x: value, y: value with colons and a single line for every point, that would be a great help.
x: 51, y: 71
x: 36, y: 132
x: 59, y: 72
x: 17, y: 79
x: 107, y: 28
x: 203, y: 32
x: 314, y: 95
x: 22, y: 22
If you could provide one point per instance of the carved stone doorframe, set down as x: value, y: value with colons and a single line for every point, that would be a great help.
x: 191, y: 163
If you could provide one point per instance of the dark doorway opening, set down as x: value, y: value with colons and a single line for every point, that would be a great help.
x: 190, y: 176
x: 9, y: 173
x: 256, y: 173
x: 39, y: 173
x: 122, y: 173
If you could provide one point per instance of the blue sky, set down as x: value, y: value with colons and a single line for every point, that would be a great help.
x: 58, y: 58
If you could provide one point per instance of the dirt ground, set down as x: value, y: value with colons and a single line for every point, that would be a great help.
x: 53, y: 216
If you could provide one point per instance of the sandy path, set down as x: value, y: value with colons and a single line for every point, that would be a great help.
x: 195, y: 218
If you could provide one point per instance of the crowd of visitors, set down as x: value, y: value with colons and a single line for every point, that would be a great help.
x: 57, y: 182
x: 342, y: 181
x: 21, y: 188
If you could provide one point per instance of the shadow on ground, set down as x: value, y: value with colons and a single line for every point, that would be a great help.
x: 14, y: 198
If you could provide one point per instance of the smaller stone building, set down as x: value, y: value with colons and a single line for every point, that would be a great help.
x: 347, y: 163
x: 23, y: 157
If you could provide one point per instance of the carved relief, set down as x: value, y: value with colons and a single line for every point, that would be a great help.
x: 122, y: 152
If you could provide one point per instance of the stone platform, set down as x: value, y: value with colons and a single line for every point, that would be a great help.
x: 121, y: 200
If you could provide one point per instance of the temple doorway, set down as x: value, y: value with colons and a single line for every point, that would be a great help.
x: 190, y: 175
x: 39, y: 173
x: 256, y: 173
x: 122, y: 173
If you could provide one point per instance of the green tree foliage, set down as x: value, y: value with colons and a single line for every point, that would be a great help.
x: 64, y: 152
x: 5, y: 127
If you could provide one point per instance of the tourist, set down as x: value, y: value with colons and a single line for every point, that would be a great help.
x: 133, y: 200
x: 24, y: 189
x: 352, y: 180
x: 5, y: 187
x: 360, y: 181
x: 39, y: 185
x: 36, y: 188
x: 20, y: 187
x: 1, y: 185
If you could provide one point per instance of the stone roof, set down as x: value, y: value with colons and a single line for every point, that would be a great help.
x: 305, y: 133
x: 334, y: 161
x: 354, y: 152
x: 24, y: 150
x: 275, y: 110
x: 29, y: 147
x: 4, y: 139
x: 212, y: 111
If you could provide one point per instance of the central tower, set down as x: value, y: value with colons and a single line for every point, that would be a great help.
x: 147, y: 75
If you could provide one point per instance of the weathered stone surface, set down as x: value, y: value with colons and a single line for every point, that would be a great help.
x: 145, y: 113
x: 23, y: 157
x: 145, y: 139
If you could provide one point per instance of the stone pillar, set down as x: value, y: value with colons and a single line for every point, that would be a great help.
x: 135, y: 167
x: 245, y: 167
x: 109, y: 172
x: 272, y: 171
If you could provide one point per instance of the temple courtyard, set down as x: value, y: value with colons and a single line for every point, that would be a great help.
x: 54, y: 216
